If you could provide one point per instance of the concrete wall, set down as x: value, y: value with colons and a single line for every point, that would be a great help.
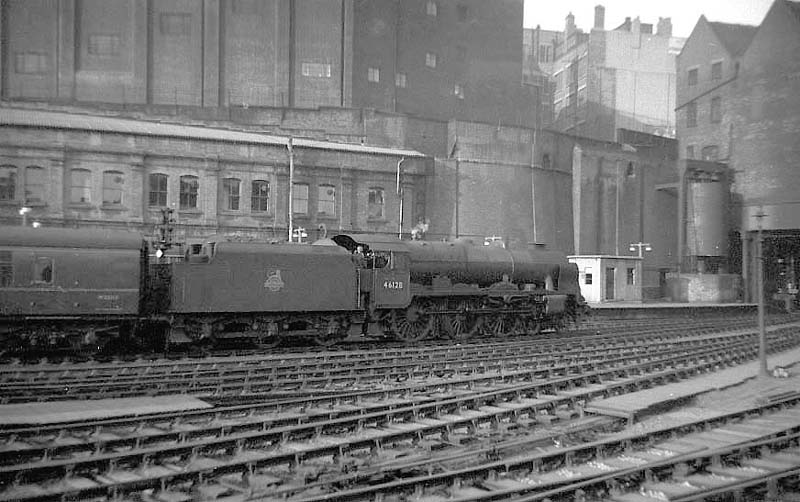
x: 713, y: 288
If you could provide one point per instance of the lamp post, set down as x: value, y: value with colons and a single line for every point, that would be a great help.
x: 641, y: 246
x: 762, y: 335
x: 23, y: 211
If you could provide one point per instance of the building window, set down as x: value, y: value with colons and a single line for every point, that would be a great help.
x: 6, y: 269
x: 8, y: 182
x: 458, y: 91
x: 300, y: 198
x: 710, y: 152
x: 175, y: 23
x: 630, y: 172
x: 716, y: 71
x: 31, y: 63
x: 691, y: 114
x: 80, y: 186
x: 400, y: 80
x: 692, y: 77
x: 104, y: 45
x: 545, y: 53
x: 587, y: 278
x: 259, y: 199
x: 630, y: 276
x: 716, y: 110
x: 43, y: 270
x: 158, y: 190
x: 431, y: 9
x: 316, y: 70
x: 112, y: 188
x: 34, y: 184
x: 326, y: 200
x: 690, y: 151
x: 461, y: 11
x: 189, y: 186
x: 373, y: 74
x: 230, y: 191
x: 430, y: 60
x: 375, y: 203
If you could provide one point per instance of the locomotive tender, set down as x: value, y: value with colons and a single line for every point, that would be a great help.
x: 80, y: 287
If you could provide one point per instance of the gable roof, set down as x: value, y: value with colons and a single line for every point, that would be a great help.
x: 734, y: 37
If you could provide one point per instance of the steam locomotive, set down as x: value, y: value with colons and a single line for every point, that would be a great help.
x: 82, y: 287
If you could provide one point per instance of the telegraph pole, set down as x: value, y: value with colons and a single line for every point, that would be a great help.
x: 762, y: 336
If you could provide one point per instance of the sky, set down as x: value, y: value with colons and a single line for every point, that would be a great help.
x: 550, y: 14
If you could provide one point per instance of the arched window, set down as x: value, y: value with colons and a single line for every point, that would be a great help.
x: 34, y: 184
x: 259, y: 198
x: 188, y: 192
x: 8, y: 182
x: 112, y: 188
x: 80, y: 186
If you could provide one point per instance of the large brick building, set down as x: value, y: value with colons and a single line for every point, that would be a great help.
x: 390, y: 77
x: 739, y: 111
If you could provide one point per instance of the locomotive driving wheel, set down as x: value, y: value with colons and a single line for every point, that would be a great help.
x: 503, y: 325
x: 412, y: 324
x: 463, y: 324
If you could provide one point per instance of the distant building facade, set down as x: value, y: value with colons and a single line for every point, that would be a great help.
x: 607, y: 80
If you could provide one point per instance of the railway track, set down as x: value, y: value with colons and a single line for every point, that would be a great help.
x: 327, y: 371
x: 362, y: 443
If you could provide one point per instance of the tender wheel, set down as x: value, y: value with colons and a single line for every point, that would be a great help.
x: 411, y: 324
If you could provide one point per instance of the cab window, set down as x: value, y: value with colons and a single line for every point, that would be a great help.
x: 43, y: 270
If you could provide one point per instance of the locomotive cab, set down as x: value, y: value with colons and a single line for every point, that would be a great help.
x: 383, y: 271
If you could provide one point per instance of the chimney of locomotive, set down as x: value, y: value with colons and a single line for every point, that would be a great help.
x: 599, y: 17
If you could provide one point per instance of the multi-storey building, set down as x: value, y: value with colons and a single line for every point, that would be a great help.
x: 738, y: 109
x: 606, y: 80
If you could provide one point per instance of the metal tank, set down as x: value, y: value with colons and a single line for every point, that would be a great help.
x: 706, y: 227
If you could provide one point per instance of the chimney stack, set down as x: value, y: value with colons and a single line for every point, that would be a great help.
x: 599, y: 17
x: 664, y: 27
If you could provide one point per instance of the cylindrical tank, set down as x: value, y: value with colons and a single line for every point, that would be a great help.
x: 706, y: 230
x: 464, y: 262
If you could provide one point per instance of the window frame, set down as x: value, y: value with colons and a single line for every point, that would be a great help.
x: 151, y: 190
x: 431, y: 9
x: 233, y: 201
x: 120, y: 189
x: 185, y: 197
x: 373, y: 74
x: 41, y: 176
x: 295, y: 199
x: 715, y: 110
x: 400, y: 80
x: 372, y: 194
x: 430, y: 59
x: 716, y: 70
x: 83, y: 191
x: 692, y: 76
x: 8, y: 184
x: 259, y: 197
x: 630, y: 276
x: 327, y: 202
x: 691, y: 114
